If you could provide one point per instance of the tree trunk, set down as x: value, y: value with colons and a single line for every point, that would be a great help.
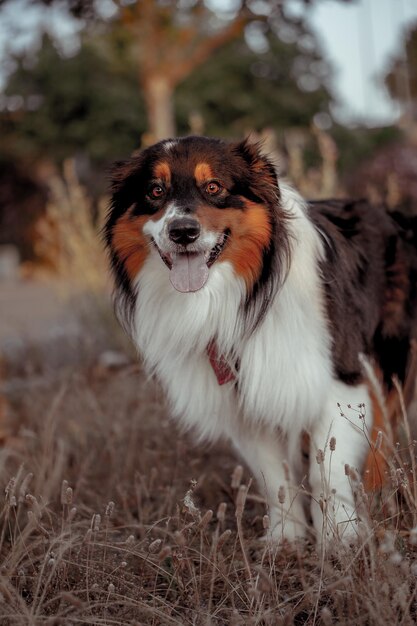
x: 159, y: 94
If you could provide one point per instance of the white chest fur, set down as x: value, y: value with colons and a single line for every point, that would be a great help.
x: 285, y: 365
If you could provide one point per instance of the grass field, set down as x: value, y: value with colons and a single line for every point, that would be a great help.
x: 110, y: 516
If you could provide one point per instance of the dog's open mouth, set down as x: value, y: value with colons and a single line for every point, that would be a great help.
x: 189, y: 271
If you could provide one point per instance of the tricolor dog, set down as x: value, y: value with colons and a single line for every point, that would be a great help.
x: 256, y: 309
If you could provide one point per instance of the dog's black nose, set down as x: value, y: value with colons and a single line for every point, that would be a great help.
x: 183, y: 230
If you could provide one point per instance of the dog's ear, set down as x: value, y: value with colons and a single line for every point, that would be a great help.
x: 120, y: 172
x: 125, y: 179
x: 261, y: 167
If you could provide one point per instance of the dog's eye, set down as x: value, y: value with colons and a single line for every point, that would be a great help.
x: 213, y: 188
x: 156, y: 191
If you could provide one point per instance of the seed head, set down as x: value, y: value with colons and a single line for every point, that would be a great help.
x: 223, y: 538
x: 154, y: 546
x: 241, y: 500
x: 72, y: 513
x: 281, y: 494
x: 206, y: 519
x: 237, y: 477
x: 68, y: 496
x: 221, y: 512
x: 10, y: 487
x: 109, y: 509
x: 95, y: 522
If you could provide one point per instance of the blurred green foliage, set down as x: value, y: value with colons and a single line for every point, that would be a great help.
x: 88, y: 103
x: 238, y: 89
x: 92, y: 103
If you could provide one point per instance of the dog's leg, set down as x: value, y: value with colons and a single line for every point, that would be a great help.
x: 337, y: 440
x: 266, y: 456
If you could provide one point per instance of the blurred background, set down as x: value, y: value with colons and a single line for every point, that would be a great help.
x: 329, y: 85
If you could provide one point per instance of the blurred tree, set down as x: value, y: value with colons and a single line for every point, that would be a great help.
x: 86, y: 104
x: 89, y: 103
x: 171, y: 38
x: 282, y: 85
x: 401, y: 77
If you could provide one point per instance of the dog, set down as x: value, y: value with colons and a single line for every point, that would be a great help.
x: 257, y: 312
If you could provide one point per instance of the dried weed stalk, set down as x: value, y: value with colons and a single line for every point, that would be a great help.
x: 95, y: 528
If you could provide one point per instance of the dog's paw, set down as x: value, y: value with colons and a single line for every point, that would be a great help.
x: 286, y: 528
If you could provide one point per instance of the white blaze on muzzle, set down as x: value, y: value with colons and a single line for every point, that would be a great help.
x: 188, y: 270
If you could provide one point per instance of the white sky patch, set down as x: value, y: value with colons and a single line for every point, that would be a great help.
x: 359, y: 39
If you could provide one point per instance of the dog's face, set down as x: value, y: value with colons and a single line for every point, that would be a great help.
x: 197, y: 202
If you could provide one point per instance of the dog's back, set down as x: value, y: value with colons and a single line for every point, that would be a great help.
x: 370, y: 277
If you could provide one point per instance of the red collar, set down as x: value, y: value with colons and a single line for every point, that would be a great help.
x: 221, y: 367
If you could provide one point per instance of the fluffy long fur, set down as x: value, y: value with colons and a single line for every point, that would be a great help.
x: 297, y: 294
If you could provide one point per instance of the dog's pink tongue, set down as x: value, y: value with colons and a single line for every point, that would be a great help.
x: 189, y: 271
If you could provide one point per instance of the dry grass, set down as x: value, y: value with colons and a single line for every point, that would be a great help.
x: 67, y: 236
x: 108, y: 516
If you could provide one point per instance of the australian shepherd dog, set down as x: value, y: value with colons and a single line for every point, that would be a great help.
x: 258, y: 311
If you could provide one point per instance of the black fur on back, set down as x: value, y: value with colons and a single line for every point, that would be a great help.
x: 370, y: 279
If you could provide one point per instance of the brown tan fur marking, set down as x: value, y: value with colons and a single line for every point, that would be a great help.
x: 203, y: 173
x: 162, y: 172
x: 250, y: 235
x: 130, y: 244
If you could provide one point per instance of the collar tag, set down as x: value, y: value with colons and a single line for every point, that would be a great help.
x: 221, y: 368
